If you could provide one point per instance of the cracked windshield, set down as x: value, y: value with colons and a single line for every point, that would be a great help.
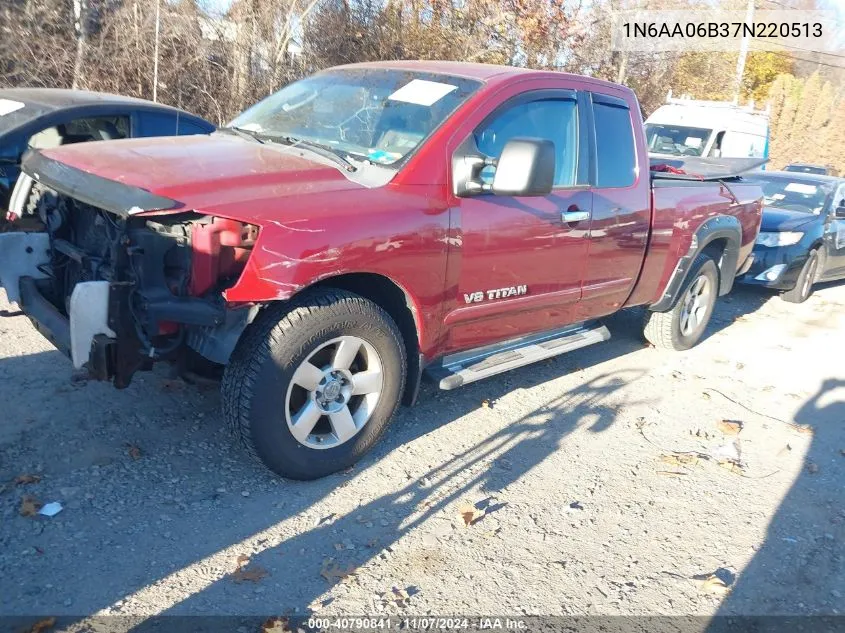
x: 377, y: 115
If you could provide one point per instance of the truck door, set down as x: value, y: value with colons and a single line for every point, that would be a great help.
x: 521, y: 259
x: 621, y: 214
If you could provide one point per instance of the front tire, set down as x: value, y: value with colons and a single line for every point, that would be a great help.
x: 682, y: 326
x: 804, y: 286
x: 314, y: 383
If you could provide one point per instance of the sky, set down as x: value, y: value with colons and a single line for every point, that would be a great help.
x: 216, y: 6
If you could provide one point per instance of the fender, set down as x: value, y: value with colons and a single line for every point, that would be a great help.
x: 719, y: 227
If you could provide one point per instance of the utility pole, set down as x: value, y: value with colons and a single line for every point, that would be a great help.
x: 80, y: 27
x: 155, y: 58
x: 743, y: 51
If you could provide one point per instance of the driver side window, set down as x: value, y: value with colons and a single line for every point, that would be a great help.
x: 552, y: 119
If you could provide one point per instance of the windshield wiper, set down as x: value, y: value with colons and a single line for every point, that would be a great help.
x: 239, y: 131
x: 323, y: 150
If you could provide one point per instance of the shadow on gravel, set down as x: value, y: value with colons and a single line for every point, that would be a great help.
x: 800, y: 568
x: 148, y: 539
x: 741, y: 302
x: 490, y: 466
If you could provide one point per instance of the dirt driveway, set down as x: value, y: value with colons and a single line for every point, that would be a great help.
x: 602, y: 482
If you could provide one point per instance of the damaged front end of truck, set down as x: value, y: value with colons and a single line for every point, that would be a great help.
x: 119, y: 278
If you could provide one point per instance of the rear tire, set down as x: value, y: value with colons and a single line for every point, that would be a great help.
x: 300, y: 405
x: 804, y: 286
x: 683, y: 325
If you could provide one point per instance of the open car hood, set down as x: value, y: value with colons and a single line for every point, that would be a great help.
x: 183, y: 173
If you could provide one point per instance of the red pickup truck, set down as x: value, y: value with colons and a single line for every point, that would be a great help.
x: 364, y: 226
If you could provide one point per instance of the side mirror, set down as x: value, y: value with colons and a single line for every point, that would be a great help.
x: 525, y: 168
x: 839, y: 213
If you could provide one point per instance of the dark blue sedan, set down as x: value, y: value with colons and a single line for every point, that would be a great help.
x: 802, y: 236
x: 42, y: 118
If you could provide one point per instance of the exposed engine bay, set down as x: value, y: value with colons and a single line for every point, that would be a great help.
x: 134, y: 288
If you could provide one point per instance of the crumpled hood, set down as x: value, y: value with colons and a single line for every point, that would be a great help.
x: 208, y: 172
x: 775, y: 219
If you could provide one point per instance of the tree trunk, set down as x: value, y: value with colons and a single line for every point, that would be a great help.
x: 80, y: 26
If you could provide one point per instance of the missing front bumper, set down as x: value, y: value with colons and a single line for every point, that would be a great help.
x: 85, y: 337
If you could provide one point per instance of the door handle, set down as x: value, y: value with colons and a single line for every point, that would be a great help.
x: 575, y: 215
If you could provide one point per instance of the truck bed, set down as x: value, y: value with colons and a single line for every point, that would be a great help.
x: 679, y: 208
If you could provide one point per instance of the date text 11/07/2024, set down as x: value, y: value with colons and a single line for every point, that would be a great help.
x: 424, y: 623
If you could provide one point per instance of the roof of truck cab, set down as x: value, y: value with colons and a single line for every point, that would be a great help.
x: 472, y: 70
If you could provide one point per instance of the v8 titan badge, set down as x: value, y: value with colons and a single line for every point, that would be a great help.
x: 497, y: 293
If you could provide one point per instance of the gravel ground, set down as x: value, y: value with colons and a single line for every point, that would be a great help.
x: 593, y: 481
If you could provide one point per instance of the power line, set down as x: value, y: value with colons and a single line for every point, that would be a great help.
x: 782, y: 53
x: 805, y: 50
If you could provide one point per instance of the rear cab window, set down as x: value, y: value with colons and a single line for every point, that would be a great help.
x: 616, y: 155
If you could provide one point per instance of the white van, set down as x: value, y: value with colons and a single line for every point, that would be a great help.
x: 687, y: 127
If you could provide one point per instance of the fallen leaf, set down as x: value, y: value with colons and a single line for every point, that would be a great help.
x: 485, y: 404
x: 470, y: 514
x: 241, y: 560
x: 276, y: 625
x: 253, y: 574
x: 42, y: 625
x: 804, y: 428
x: 740, y: 365
x: 705, y: 395
x: 729, y: 427
x: 22, y: 480
x: 332, y: 572
x: 732, y: 465
x: 812, y: 468
x: 30, y: 506
x: 133, y: 450
x: 714, y: 585
x: 680, y: 459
